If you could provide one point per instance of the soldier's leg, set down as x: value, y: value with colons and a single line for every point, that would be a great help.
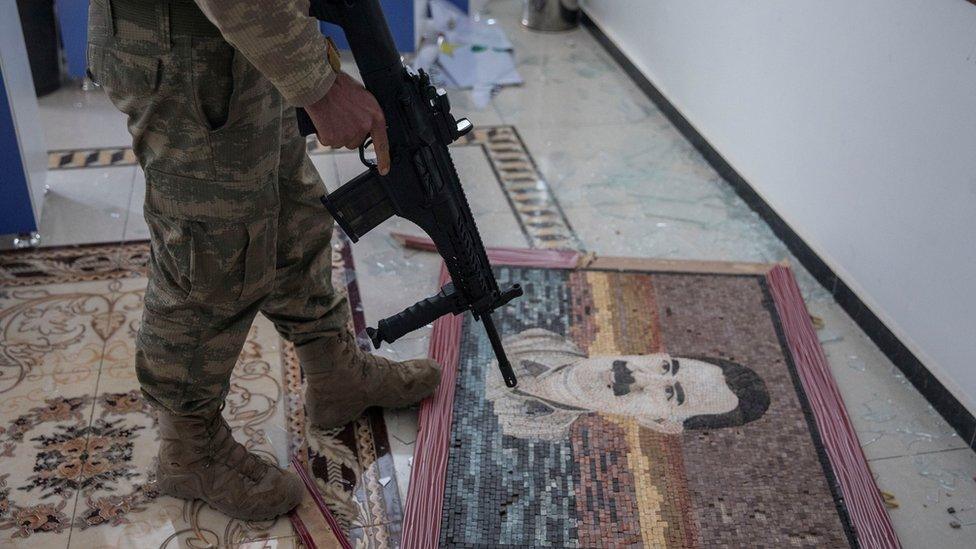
x: 206, y: 128
x: 303, y: 304
x: 210, y: 160
x: 342, y: 379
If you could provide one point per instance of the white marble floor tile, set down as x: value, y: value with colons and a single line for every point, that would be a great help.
x: 326, y: 165
x: 646, y: 162
x: 598, y: 98
x: 464, y: 106
x: 891, y: 418
x: 936, y: 494
x: 86, y: 205
x: 135, y: 222
x: 569, y: 81
x: 76, y: 119
x: 401, y: 425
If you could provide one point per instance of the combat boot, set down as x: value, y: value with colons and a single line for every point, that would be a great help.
x: 199, y: 459
x: 343, y: 380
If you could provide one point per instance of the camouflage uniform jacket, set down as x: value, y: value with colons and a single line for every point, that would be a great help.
x: 280, y: 40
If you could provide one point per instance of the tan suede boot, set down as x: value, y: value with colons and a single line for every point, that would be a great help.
x: 343, y: 380
x: 199, y: 459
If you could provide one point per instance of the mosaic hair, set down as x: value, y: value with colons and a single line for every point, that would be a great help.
x: 746, y: 385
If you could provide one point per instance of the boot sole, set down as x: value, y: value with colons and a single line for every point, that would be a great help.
x: 347, y: 419
x: 332, y: 425
x: 351, y: 417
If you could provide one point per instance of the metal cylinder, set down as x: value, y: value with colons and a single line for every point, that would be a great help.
x: 551, y: 15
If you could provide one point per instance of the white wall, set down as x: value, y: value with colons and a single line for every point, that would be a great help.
x: 856, y: 122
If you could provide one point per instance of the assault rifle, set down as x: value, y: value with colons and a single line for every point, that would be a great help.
x: 422, y: 185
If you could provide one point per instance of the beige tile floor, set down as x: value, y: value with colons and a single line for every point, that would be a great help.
x: 630, y: 185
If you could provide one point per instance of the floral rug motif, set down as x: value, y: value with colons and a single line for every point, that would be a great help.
x: 77, y: 442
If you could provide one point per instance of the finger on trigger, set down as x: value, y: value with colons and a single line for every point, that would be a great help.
x: 381, y: 144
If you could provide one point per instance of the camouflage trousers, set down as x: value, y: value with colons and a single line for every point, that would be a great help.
x: 232, y: 202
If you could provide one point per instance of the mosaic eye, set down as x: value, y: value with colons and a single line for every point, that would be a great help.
x: 665, y: 367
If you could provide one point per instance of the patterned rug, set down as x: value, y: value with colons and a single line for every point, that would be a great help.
x: 77, y: 442
x: 655, y: 408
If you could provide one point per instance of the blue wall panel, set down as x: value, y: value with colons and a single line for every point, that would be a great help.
x: 16, y: 214
x: 73, y: 20
x: 463, y: 4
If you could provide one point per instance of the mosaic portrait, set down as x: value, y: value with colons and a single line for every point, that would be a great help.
x: 652, y: 410
x: 558, y: 384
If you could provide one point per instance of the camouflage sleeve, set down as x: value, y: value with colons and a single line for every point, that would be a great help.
x: 281, y: 40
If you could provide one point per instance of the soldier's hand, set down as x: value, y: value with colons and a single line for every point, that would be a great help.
x: 346, y: 114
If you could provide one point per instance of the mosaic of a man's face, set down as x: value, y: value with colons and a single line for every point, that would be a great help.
x: 558, y: 383
x: 656, y: 387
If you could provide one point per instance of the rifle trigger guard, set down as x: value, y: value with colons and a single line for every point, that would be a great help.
x: 362, y: 153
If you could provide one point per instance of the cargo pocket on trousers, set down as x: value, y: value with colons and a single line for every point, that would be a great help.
x: 213, y: 262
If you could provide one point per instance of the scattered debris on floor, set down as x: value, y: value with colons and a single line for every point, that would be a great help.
x: 920, y: 428
x: 829, y: 336
x: 857, y: 363
x: 889, y: 500
x: 466, y: 52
